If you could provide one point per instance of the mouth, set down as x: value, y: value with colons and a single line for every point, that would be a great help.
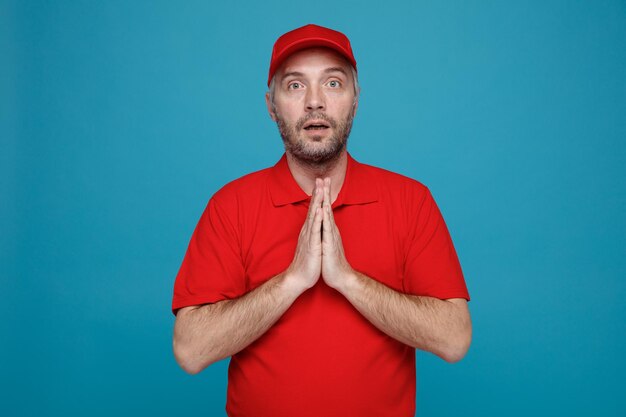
x: 316, y: 125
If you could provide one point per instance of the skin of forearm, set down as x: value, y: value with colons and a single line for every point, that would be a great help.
x: 438, y: 326
x: 206, y: 334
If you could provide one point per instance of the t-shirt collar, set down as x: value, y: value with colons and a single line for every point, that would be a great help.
x: 358, y: 187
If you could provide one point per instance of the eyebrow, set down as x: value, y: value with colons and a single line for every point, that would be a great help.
x: 336, y: 69
x: 292, y: 73
x: 326, y: 71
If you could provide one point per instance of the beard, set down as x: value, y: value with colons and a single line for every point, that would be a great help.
x: 317, y: 153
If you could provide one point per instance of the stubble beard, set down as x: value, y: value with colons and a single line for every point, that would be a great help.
x: 310, y: 154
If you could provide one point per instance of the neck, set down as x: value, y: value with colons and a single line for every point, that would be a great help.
x: 305, y: 173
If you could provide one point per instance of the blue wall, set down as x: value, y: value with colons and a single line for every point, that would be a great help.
x: 120, y: 119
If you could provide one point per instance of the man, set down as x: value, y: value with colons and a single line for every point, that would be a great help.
x: 319, y: 275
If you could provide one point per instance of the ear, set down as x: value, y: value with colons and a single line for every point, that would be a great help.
x: 356, y: 106
x: 270, y: 108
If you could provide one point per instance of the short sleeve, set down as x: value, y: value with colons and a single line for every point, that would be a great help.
x: 212, y: 269
x: 432, y: 267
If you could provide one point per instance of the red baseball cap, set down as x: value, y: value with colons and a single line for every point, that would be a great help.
x: 307, y: 37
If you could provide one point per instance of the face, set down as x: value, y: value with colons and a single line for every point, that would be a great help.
x: 314, y: 104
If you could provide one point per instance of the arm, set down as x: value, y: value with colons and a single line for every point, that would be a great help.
x: 206, y: 334
x: 442, y: 327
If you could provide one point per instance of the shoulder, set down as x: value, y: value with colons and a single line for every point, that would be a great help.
x: 393, y: 185
x: 242, y: 190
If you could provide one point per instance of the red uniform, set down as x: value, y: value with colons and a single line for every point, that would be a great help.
x: 322, y: 357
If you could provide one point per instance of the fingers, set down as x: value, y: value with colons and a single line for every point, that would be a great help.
x: 316, y: 200
x: 316, y: 235
x: 315, y: 213
x: 327, y: 200
x: 326, y: 226
x: 317, y: 223
x: 320, y: 216
x: 327, y: 221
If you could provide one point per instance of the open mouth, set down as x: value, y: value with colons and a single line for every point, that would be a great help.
x: 316, y: 125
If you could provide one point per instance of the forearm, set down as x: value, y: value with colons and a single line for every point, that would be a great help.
x: 206, y: 334
x: 439, y: 326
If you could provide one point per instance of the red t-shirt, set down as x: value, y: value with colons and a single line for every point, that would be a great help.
x: 322, y: 357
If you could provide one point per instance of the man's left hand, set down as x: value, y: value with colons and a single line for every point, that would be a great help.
x: 336, y: 271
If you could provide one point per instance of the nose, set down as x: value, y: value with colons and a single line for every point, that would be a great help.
x: 314, y: 99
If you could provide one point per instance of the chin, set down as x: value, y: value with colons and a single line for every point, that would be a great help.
x: 319, y: 154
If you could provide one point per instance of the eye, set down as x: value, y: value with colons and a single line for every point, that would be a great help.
x: 334, y: 84
x: 294, y: 86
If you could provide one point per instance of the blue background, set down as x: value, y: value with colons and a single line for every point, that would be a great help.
x: 120, y: 119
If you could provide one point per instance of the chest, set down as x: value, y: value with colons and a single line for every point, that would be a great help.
x: 374, y: 241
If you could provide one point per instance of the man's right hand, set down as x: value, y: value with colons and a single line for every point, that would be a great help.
x: 306, y: 267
